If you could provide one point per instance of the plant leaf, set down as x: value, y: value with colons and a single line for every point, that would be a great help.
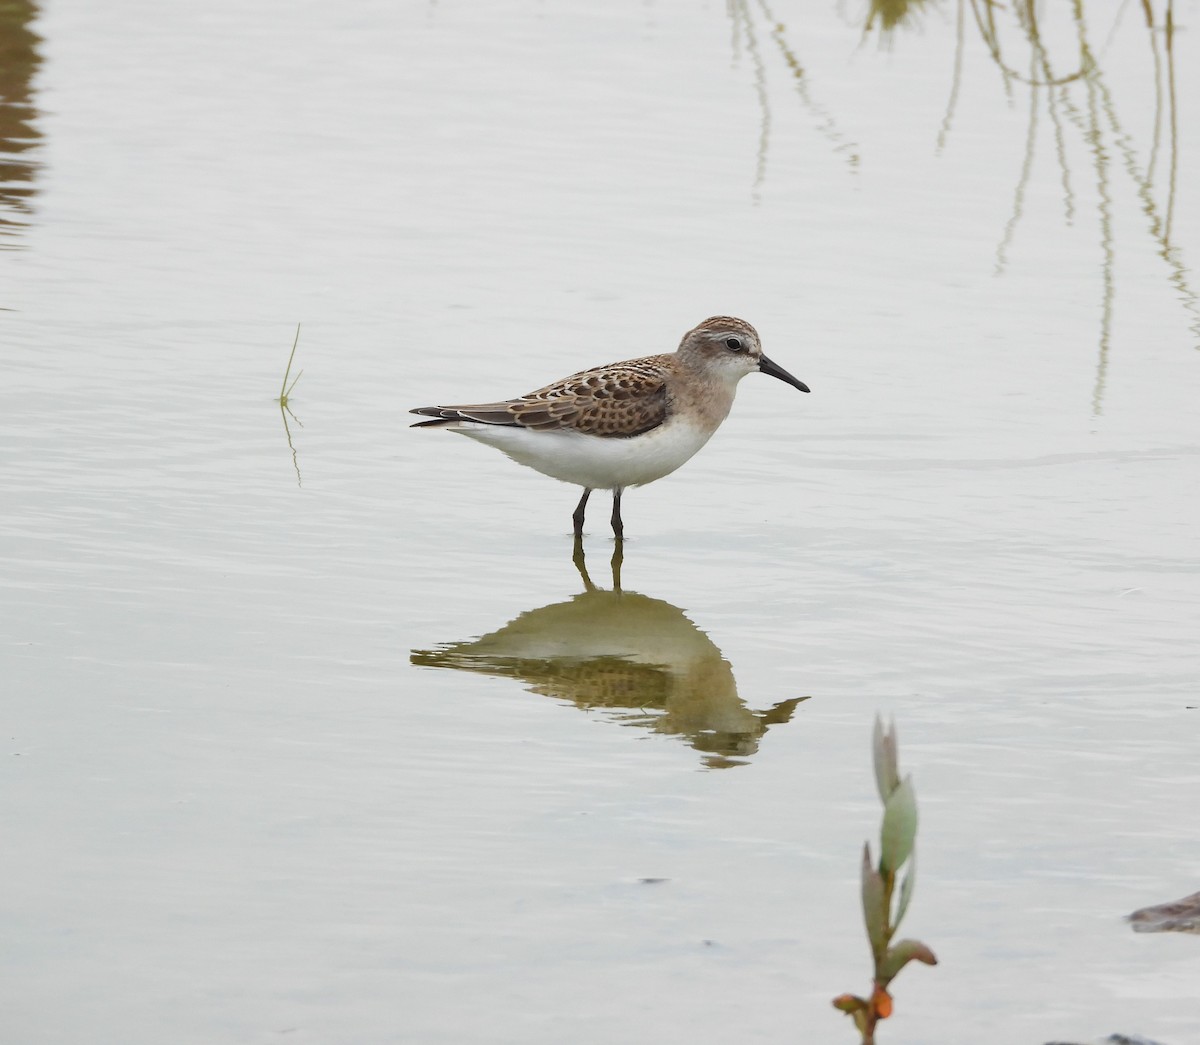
x: 874, y: 912
x: 886, y: 758
x: 900, y: 954
x: 906, y: 890
x: 899, y: 827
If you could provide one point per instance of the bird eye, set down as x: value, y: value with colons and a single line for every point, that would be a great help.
x: 733, y: 344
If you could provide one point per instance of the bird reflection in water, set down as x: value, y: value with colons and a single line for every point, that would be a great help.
x: 637, y: 660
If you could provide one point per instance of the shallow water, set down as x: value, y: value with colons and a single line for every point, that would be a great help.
x: 315, y: 729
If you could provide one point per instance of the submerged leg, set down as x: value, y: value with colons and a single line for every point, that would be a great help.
x: 577, y: 518
x: 617, y: 525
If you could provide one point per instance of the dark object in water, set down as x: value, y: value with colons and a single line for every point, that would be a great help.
x: 1182, y: 916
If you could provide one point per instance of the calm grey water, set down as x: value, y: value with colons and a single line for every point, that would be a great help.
x: 315, y: 732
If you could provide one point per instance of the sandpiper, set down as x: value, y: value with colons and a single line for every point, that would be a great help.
x: 624, y: 424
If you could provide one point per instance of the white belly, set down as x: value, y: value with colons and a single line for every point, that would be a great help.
x: 597, y: 462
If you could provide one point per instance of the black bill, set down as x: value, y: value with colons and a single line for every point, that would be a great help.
x: 775, y: 370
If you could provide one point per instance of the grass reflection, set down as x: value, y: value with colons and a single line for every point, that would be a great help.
x: 19, y: 136
x: 1051, y: 53
x: 742, y: 20
x: 887, y: 16
x: 285, y: 412
x: 636, y: 660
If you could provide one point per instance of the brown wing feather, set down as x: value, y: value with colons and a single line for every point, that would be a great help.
x: 619, y: 400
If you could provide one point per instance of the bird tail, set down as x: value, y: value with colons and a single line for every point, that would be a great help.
x: 445, y: 416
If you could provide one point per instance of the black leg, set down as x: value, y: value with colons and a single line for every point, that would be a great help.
x: 617, y: 525
x: 577, y: 518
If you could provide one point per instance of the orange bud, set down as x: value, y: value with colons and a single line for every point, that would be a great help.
x: 881, y: 1001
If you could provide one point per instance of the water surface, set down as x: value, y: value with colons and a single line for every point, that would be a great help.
x: 319, y: 733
